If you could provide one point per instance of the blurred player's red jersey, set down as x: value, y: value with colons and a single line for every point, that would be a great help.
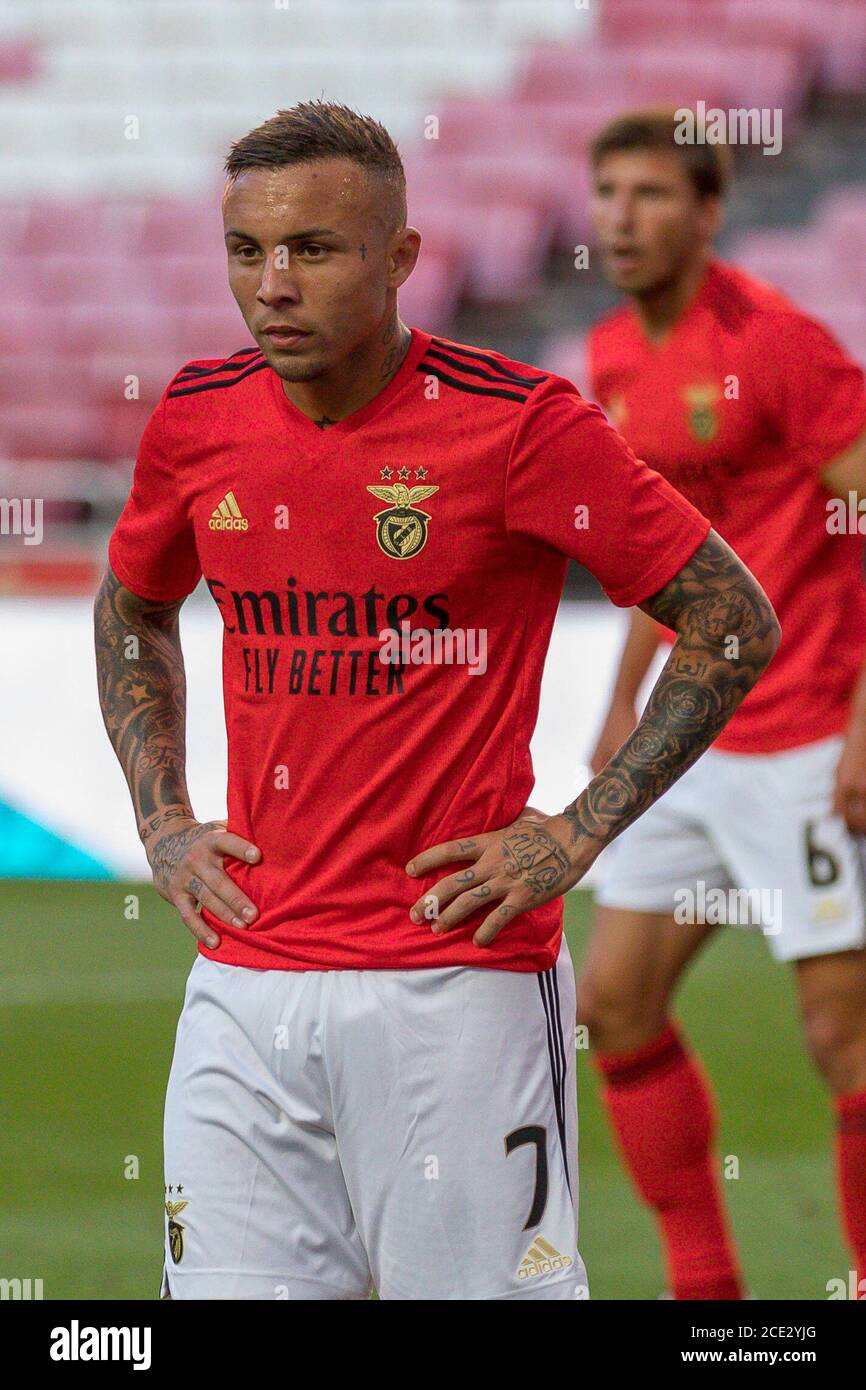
x: 740, y: 407
x: 449, y: 502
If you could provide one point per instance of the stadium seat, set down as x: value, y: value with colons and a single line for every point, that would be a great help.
x: 139, y: 327
x: 429, y: 297
x: 32, y: 375
x: 842, y: 219
x: 565, y: 355
x: 19, y: 62
x: 51, y: 430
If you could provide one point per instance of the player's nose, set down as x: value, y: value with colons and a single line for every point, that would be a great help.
x: 278, y: 280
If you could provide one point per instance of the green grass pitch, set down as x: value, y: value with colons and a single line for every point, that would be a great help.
x: 88, y: 1005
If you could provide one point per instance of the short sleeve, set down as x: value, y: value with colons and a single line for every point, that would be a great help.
x: 575, y: 486
x: 814, y: 392
x: 152, y: 549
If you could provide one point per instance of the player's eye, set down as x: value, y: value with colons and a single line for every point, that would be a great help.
x: 246, y: 253
x: 311, y: 250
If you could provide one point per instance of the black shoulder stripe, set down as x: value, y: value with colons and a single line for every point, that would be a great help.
x: 504, y: 380
x: 190, y: 372
x: 215, y: 385
x: 430, y: 370
x: 491, y: 362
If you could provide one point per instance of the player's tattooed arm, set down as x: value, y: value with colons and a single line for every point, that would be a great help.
x: 142, y: 695
x: 727, y: 633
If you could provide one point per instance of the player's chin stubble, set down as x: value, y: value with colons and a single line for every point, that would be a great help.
x: 293, y: 369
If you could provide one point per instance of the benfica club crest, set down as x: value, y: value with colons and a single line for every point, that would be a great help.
x: 703, y: 418
x: 175, y: 1229
x: 401, y: 529
x: 617, y: 410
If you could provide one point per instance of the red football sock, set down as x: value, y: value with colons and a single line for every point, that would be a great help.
x: 661, y: 1108
x: 851, y: 1173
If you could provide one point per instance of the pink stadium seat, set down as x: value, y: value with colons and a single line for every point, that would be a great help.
x: 63, y: 227
x: 847, y: 321
x: 71, y: 279
x: 49, y: 430
x: 18, y: 327
x: 18, y: 61
x: 504, y: 244
x: 106, y: 376
x: 14, y: 221
x: 675, y: 71
x: 828, y: 38
x: 842, y: 219
x: 34, y: 376
x: 799, y: 25
x: 186, y: 279
x: 550, y: 182
x: 18, y: 277
x: 565, y: 355
x: 595, y: 75
x: 120, y: 428
x: 854, y: 339
x: 132, y: 328
x: 786, y: 258
x: 843, y: 60
x: 429, y: 297
x: 174, y: 227
x: 633, y: 21
x: 127, y: 226
x: 209, y: 330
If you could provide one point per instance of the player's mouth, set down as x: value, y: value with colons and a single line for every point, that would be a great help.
x: 285, y: 335
x: 624, y: 257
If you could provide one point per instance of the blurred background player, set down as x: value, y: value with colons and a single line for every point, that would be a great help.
x: 755, y: 413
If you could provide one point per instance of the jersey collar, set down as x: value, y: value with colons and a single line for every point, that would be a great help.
x: 417, y: 348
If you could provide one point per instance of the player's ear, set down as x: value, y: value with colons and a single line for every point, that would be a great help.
x: 712, y: 216
x: 404, y: 253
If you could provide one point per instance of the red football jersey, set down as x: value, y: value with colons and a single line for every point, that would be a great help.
x: 740, y: 407
x: 446, y: 505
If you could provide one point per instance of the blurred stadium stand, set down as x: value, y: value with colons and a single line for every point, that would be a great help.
x: 117, y: 114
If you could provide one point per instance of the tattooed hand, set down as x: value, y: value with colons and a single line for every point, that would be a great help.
x: 522, y: 866
x: 142, y: 694
x: 187, y: 865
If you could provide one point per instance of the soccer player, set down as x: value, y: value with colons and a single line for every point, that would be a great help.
x: 373, y: 1076
x: 756, y: 414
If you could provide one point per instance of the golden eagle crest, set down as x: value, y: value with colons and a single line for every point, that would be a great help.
x: 703, y: 418
x: 175, y: 1229
x: 401, y: 529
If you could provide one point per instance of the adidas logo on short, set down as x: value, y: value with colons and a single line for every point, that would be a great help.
x: 227, y: 516
x: 542, y: 1258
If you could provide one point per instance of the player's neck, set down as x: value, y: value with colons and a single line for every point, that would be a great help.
x: 661, y: 308
x: 355, y: 380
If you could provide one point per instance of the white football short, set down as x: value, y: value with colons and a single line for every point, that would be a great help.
x: 412, y: 1130
x: 748, y: 840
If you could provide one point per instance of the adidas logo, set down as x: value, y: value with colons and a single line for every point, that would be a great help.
x: 542, y: 1258
x: 227, y: 516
